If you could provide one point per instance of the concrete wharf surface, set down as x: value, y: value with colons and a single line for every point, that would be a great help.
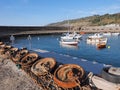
x: 12, y: 78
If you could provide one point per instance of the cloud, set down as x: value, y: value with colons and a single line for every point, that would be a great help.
x: 104, y: 10
x: 93, y: 11
x: 115, y: 7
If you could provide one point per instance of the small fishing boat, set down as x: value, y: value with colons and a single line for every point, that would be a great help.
x: 69, y: 42
x: 96, y: 39
x: 43, y: 66
x: 66, y: 36
x: 77, y: 36
x: 115, y: 34
x: 107, y: 34
x: 96, y: 35
x: 73, y: 35
x: 115, y: 71
x: 101, y: 45
x: 111, y: 74
x: 69, y: 76
x: 69, y: 46
x: 103, y: 84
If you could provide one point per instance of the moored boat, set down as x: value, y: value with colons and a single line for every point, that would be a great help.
x: 97, y: 39
x: 111, y: 74
x: 107, y: 34
x: 73, y: 35
x: 103, y: 84
x: 101, y: 45
x: 115, y: 34
x: 96, y: 35
x: 69, y: 42
x: 69, y: 46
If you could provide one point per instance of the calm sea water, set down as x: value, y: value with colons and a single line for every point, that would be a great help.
x: 110, y: 56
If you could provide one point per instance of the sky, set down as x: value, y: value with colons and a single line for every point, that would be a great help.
x: 43, y: 12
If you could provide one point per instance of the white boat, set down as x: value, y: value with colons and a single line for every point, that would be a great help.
x: 96, y: 39
x: 111, y: 74
x: 114, y: 70
x: 107, y: 34
x: 69, y: 46
x: 67, y: 36
x: 69, y: 41
x: 103, y: 84
x: 115, y: 34
x: 96, y: 35
x: 76, y: 35
x: 71, y: 36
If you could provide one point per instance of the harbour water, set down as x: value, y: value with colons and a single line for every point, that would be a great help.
x: 109, y: 55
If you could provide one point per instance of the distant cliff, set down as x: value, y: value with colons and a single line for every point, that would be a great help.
x: 96, y: 20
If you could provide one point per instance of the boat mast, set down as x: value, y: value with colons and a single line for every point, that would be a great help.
x: 69, y: 28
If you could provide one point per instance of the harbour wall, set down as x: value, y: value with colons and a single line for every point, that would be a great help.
x: 23, y: 30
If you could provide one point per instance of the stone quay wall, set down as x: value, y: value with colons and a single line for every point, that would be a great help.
x: 23, y: 30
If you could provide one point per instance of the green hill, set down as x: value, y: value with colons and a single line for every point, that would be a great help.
x: 96, y: 20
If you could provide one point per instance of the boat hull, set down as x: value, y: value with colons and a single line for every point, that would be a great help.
x: 101, y: 45
x: 104, y: 84
x: 112, y: 77
x: 69, y: 43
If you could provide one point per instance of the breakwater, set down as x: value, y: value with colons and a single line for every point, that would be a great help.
x: 22, y: 30
x: 6, y: 31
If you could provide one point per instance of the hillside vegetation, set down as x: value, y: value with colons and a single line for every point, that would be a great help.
x: 96, y: 20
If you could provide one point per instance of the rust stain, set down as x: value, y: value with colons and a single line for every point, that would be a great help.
x: 68, y: 75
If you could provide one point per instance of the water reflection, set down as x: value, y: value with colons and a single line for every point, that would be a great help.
x: 69, y: 46
x: 92, y: 43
